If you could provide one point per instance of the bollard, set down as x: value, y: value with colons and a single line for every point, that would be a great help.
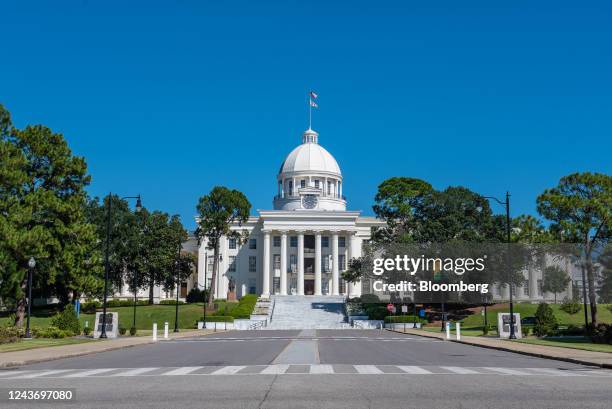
x: 447, y: 330
x: 155, y: 331
x: 165, y: 330
x: 458, y: 325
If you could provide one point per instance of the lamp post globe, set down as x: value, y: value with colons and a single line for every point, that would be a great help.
x: 31, y: 265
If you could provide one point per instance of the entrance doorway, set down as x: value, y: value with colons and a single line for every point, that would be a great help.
x: 309, y: 287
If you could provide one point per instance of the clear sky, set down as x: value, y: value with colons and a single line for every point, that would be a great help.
x: 168, y: 99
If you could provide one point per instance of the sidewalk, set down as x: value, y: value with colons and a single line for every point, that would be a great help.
x: 578, y: 356
x: 31, y: 356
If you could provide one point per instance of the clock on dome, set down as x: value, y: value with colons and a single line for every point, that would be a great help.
x: 309, y: 201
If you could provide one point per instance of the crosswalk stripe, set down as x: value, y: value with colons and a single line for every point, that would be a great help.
x: 11, y: 373
x: 459, y: 370
x: 134, y: 372
x: 368, y: 369
x: 89, y: 373
x: 415, y: 370
x: 182, y: 371
x: 228, y: 370
x: 275, y: 370
x: 42, y: 373
x: 555, y: 372
x: 321, y: 369
x: 506, y: 371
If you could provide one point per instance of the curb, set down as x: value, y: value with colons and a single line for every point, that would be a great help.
x: 502, y: 348
x: 11, y: 364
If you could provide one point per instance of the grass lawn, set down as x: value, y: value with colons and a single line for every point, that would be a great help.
x: 146, y: 315
x: 528, y: 310
x: 575, y: 343
x: 40, y: 343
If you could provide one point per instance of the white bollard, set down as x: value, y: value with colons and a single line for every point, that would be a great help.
x: 458, y: 325
x: 448, y: 330
x: 155, y: 331
x: 165, y: 330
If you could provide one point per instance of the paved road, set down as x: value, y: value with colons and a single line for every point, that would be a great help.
x: 315, y: 369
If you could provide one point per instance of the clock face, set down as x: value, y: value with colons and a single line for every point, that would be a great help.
x: 309, y: 201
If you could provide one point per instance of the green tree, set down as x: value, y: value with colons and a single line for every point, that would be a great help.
x: 545, y: 320
x: 42, y: 214
x: 218, y: 211
x: 555, y: 280
x: 580, y: 207
x: 605, y: 277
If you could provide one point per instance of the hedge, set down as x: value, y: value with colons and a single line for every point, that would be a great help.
x: 217, y: 318
x: 404, y: 318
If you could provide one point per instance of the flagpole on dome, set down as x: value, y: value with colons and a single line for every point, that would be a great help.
x: 311, y: 103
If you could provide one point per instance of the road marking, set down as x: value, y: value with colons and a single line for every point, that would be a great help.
x: 506, y: 371
x: 43, y: 373
x: 275, y: 370
x: 415, y: 370
x: 134, y: 372
x: 555, y: 372
x: 462, y: 371
x: 368, y: 369
x: 89, y: 373
x: 228, y: 370
x: 321, y: 369
x: 182, y: 371
x: 12, y: 373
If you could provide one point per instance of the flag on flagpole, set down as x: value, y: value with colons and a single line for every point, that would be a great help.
x: 313, y: 104
x: 313, y: 95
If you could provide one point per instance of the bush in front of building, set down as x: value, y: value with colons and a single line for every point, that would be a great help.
x: 400, y: 319
x: 376, y: 311
x: 196, y: 295
x: 50, y: 332
x: 10, y: 334
x: 570, y: 306
x: 67, y: 321
x: 545, y: 320
x: 170, y: 302
x: 601, y: 334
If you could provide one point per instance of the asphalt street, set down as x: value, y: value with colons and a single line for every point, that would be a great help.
x: 313, y: 369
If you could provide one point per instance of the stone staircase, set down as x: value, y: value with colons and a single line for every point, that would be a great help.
x: 307, y: 312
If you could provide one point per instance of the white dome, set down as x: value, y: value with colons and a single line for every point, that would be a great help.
x: 310, y: 157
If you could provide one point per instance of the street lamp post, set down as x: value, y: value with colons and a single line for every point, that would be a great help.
x: 507, y: 205
x: 204, y: 294
x: 178, y: 283
x: 31, y: 265
x: 106, y: 255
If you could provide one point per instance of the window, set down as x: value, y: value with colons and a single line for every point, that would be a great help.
x: 317, y: 183
x: 252, y: 264
x: 277, y: 261
x: 291, y: 188
x: 303, y: 183
x: 341, y: 241
x: 232, y: 264
x: 293, y: 241
x: 329, y: 189
x: 325, y: 264
x: 232, y: 243
x: 325, y: 241
x: 540, y: 289
x: 252, y: 286
x: 253, y: 244
x: 276, y: 241
x: 526, y: 288
x: 292, y: 263
x: 209, y: 268
x: 341, y: 262
x: 275, y: 285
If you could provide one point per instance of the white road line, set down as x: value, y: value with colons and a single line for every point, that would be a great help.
x: 275, y: 370
x: 42, y: 373
x: 368, y: 369
x: 7, y: 374
x: 228, y: 370
x: 134, y: 372
x: 415, y: 370
x: 89, y: 373
x: 506, y: 371
x: 182, y: 371
x: 321, y: 369
x: 552, y: 371
x: 459, y: 370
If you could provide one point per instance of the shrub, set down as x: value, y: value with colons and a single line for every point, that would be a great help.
x: 51, y: 332
x: 370, y: 299
x: 196, y: 295
x: 526, y: 331
x: 376, y: 312
x: 404, y: 318
x: 90, y: 307
x: 10, y: 334
x: 546, y: 322
x: 122, y: 330
x: 601, y: 334
x: 133, y: 331
x: 67, y: 321
x: 86, y: 330
x: 570, y: 306
x: 170, y: 302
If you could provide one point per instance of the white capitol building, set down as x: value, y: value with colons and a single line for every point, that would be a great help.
x: 301, y: 246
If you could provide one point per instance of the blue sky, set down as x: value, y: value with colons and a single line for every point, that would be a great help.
x: 168, y: 99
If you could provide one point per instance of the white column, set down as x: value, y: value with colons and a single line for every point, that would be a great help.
x: 533, y: 283
x: 300, y: 266
x: 318, y: 263
x: 283, y: 266
x: 266, y: 265
x: 335, y: 270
